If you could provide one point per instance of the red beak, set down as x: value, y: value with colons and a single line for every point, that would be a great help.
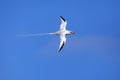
x: 72, y: 32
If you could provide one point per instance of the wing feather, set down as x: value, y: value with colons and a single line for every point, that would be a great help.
x: 63, y: 23
x: 62, y: 42
x: 61, y: 46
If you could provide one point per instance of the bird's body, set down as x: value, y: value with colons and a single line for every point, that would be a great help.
x: 66, y: 32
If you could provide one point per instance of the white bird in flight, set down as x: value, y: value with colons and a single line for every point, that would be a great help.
x: 62, y: 32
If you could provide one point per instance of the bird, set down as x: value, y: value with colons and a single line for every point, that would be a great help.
x: 62, y: 32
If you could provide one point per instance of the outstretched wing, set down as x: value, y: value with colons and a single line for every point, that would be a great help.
x: 62, y: 42
x: 63, y: 23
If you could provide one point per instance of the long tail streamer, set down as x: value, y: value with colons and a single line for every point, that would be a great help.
x: 28, y: 35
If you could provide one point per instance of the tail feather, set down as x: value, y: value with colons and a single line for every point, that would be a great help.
x: 28, y: 35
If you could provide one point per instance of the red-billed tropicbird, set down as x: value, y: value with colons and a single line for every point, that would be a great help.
x: 62, y: 32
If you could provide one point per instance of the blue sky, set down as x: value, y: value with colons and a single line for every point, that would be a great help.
x: 93, y: 53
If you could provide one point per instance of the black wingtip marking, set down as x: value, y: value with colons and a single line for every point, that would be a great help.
x: 61, y: 47
x: 62, y: 18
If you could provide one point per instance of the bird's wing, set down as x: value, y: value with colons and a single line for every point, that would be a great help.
x: 62, y: 42
x: 63, y: 23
